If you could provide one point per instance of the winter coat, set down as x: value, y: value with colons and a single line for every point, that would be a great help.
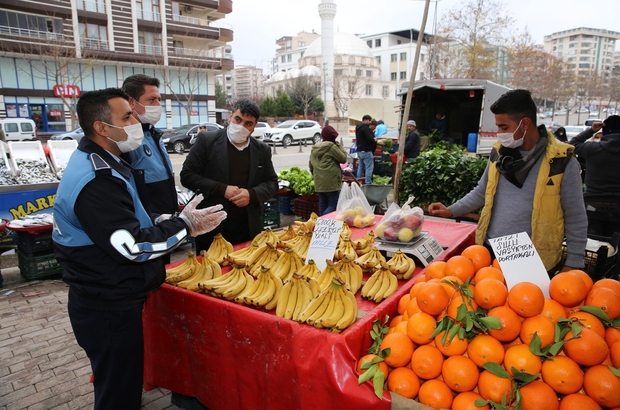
x: 325, y: 160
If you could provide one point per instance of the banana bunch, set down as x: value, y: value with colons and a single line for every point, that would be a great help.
x: 266, y: 236
x: 308, y: 226
x: 287, y: 234
x: 380, y: 285
x: 242, y: 256
x: 207, y: 269
x: 345, y: 249
x: 330, y: 272
x: 266, y: 255
x: 345, y: 233
x: 264, y: 292
x: 335, y: 308
x: 300, y: 244
x: 371, y: 260
x: 401, y: 265
x: 364, y: 244
x: 296, y: 294
x: 352, y: 273
x: 230, y: 285
x: 310, y: 270
x: 287, y: 263
x: 219, y: 249
x: 183, y: 271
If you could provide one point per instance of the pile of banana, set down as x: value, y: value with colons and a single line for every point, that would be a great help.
x: 242, y: 256
x: 310, y: 270
x: 371, y: 260
x: 345, y: 249
x: 309, y: 225
x: 300, y: 243
x: 380, y: 285
x: 188, y: 274
x: 286, y: 235
x: 335, y: 308
x: 330, y: 272
x: 364, y: 244
x: 352, y: 274
x: 266, y: 236
x: 296, y: 294
x: 266, y: 255
x: 219, y: 249
x: 288, y: 263
x: 401, y: 265
x: 264, y: 292
x: 230, y: 285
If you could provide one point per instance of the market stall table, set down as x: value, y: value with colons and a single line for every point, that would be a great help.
x: 232, y: 356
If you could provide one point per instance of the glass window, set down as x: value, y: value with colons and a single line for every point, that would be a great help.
x: 378, y: 58
x: 386, y: 91
x: 369, y: 43
x: 403, y: 56
x: 392, y: 76
x: 403, y: 75
x: 368, y: 73
x: 358, y: 73
x: 351, y: 60
x: 96, y: 6
x: 10, y: 127
x: 26, y: 127
x: 369, y: 89
x: 338, y: 71
x: 378, y: 42
x: 392, y: 57
x: 422, y: 56
x: 351, y: 87
x: 289, y: 58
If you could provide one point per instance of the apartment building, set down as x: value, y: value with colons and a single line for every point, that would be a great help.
x: 290, y: 50
x: 584, y: 49
x: 52, y: 50
x: 248, y: 82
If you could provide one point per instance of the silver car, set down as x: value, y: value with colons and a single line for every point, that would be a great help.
x: 76, y: 134
x: 294, y: 131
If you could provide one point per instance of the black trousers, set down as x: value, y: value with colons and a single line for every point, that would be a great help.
x: 113, y: 341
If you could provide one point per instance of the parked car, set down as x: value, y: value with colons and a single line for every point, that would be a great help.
x: 294, y: 130
x: 210, y: 126
x: 19, y: 129
x: 550, y: 125
x: 76, y: 134
x: 180, y: 139
x: 261, y: 128
x: 573, y: 130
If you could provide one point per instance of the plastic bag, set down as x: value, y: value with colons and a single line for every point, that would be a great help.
x: 353, y: 207
x: 401, y: 224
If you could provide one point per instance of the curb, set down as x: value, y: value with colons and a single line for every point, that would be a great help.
x: 12, y: 276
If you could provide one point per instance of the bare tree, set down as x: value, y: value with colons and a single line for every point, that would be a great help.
x: 526, y: 65
x: 347, y: 88
x: 303, y: 92
x: 559, y: 84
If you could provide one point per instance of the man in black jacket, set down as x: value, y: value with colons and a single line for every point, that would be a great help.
x: 366, y: 145
x: 602, y: 194
x: 233, y: 169
x: 412, y: 143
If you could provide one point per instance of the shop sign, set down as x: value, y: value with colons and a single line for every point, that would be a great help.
x: 55, y: 113
x: 66, y: 91
x: 193, y: 113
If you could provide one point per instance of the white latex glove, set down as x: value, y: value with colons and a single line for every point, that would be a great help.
x: 162, y: 217
x: 201, y: 221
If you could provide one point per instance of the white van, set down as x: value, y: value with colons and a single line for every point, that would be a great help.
x: 18, y: 129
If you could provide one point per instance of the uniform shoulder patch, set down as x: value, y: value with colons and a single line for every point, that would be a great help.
x: 147, y: 150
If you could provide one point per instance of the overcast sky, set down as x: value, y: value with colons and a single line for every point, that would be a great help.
x: 258, y: 24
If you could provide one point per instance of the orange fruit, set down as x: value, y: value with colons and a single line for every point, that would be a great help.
x: 553, y: 310
x: 368, y: 358
x: 396, y: 320
x: 494, y: 388
x: 401, y: 327
x: 614, y: 354
x: 432, y: 298
x: 460, y: 373
x: 568, y: 289
x: 479, y: 256
x: 585, y: 277
x: 495, y: 264
x: 435, y: 269
x: 458, y: 300
x: 510, y: 321
x: 401, y: 349
x: 587, y: 348
x: 606, y: 299
x: 412, y: 307
x: 450, y: 289
x: 526, y: 299
x: 427, y: 362
x: 589, y: 321
x: 522, y: 359
x: 452, y: 347
x: 489, y: 272
x: 578, y: 401
x: 484, y: 349
x: 403, y: 381
x: 414, y: 289
x: 489, y: 293
x: 602, y: 385
x: 538, y: 395
x: 436, y: 394
x: 607, y: 283
x: 419, y: 278
x: 543, y: 327
x: 563, y: 374
x: 461, y: 267
x: 420, y: 326
x: 467, y: 400
x: 612, y: 335
x: 402, y: 303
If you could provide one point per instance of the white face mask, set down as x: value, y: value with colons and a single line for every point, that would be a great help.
x: 135, y: 135
x: 152, y: 114
x: 237, y: 133
x: 507, y: 138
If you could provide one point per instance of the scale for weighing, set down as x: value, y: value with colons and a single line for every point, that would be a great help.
x: 424, y: 248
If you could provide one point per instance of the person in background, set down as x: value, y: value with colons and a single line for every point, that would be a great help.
x: 602, y: 193
x: 109, y: 245
x: 381, y: 129
x: 439, y: 123
x: 328, y: 132
x: 233, y: 169
x: 531, y: 184
x: 325, y: 160
x: 560, y: 135
x: 596, y: 137
x: 2, y: 136
x: 202, y: 128
x: 366, y: 145
x: 412, y: 143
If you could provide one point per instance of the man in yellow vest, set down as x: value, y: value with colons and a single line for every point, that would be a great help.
x: 531, y: 184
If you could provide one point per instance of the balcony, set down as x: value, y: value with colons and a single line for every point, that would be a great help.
x: 150, y: 50
x: 201, y: 27
x: 213, y: 59
x: 35, y: 34
x: 94, y: 6
x: 94, y: 44
x: 147, y: 15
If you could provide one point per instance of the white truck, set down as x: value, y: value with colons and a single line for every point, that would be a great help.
x: 466, y: 104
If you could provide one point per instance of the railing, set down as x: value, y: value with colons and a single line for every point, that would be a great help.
x: 22, y: 32
x: 187, y: 20
x: 194, y: 52
x: 201, y: 22
x: 220, y: 24
x: 96, y: 6
x: 149, y: 16
x: 150, y: 50
x: 94, y: 44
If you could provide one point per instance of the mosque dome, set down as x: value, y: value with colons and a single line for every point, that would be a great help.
x: 344, y: 44
x: 311, y: 71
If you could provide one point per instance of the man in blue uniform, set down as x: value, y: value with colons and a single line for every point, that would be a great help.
x: 109, y: 244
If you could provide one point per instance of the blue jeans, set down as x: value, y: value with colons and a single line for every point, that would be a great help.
x: 365, y: 165
x: 328, y: 202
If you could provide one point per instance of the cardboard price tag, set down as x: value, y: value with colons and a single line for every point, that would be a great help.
x: 324, y: 241
x: 520, y: 261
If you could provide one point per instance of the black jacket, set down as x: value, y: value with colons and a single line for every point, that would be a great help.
x: 602, y: 157
x: 412, y: 145
x: 365, y: 138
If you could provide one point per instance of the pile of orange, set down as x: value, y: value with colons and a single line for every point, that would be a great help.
x: 445, y: 373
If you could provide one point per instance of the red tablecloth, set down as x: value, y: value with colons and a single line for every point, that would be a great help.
x: 231, y: 356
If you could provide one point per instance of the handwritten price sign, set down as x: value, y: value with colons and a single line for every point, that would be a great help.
x: 324, y: 241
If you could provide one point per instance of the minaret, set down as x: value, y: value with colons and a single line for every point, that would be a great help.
x: 327, y: 12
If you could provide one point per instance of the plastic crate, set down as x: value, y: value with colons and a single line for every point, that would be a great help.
x: 286, y: 204
x: 599, y: 264
x: 37, y: 267
x: 304, y: 209
x: 33, y: 242
x: 271, y: 214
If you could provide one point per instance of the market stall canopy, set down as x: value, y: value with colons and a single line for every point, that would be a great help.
x: 452, y: 84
